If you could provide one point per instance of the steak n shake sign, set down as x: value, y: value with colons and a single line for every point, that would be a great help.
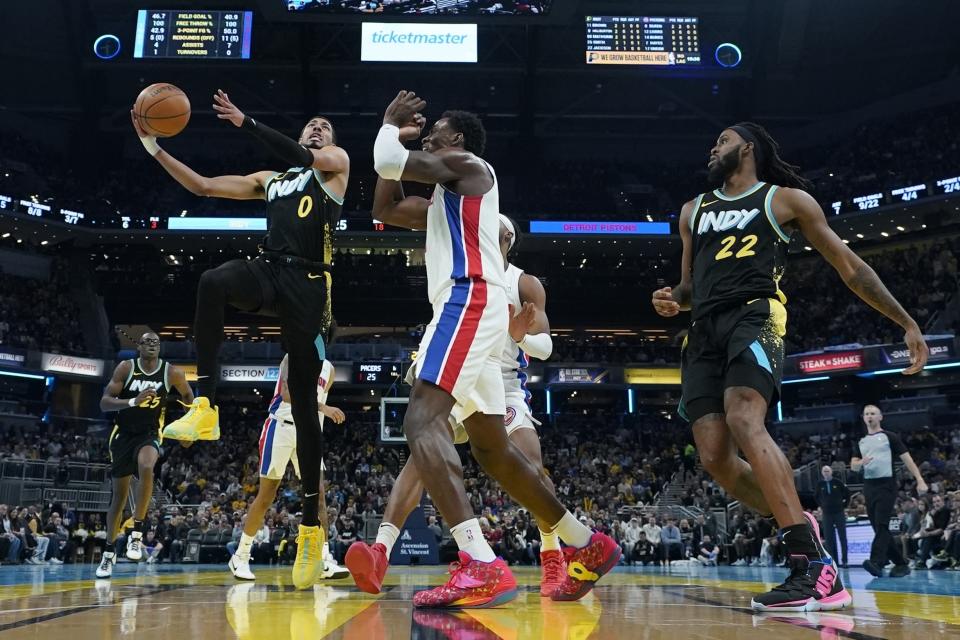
x: 836, y: 361
x: 73, y: 365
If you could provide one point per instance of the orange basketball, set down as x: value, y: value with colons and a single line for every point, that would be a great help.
x: 162, y: 109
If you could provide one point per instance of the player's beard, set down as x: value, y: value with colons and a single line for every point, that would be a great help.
x: 724, y: 166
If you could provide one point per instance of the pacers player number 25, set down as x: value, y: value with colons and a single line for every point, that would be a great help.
x: 743, y: 252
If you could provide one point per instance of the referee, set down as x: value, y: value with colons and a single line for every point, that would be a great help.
x: 832, y: 497
x: 874, y: 454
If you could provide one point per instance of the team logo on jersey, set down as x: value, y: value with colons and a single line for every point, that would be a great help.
x: 281, y: 188
x: 509, y: 416
x: 723, y: 220
x: 141, y: 385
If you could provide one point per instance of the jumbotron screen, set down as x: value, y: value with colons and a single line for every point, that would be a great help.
x: 422, y: 7
x: 643, y: 40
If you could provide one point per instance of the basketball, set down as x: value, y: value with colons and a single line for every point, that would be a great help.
x: 162, y: 109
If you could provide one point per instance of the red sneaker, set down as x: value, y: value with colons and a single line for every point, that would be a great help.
x: 472, y: 585
x: 553, y: 569
x: 587, y: 565
x: 368, y: 565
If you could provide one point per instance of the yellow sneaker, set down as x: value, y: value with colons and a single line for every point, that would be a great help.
x: 309, y: 562
x: 202, y: 422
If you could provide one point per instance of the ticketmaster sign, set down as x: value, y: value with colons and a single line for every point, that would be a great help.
x: 410, y: 42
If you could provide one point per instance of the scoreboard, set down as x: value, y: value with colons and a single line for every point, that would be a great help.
x: 192, y: 33
x: 643, y: 40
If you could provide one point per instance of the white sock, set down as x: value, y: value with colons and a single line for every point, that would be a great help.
x: 387, y: 535
x: 243, y: 549
x: 549, y: 541
x: 326, y: 550
x: 470, y: 539
x: 572, y: 531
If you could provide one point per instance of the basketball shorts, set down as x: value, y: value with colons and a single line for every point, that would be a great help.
x: 735, y: 347
x: 461, y: 347
x: 517, y: 416
x: 124, y: 449
x: 300, y: 299
x: 278, y: 446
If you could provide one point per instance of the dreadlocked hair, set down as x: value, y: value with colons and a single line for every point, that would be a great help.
x: 771, y: 167
x: 469, y: 124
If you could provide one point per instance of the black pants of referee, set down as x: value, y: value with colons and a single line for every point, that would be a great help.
x: 835, y: 526
x: 236, y: 284
x: 880, y: 496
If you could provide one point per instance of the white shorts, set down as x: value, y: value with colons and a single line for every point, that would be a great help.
x: 278, y: 446
x: 516, y: 417
x: 460, y: 350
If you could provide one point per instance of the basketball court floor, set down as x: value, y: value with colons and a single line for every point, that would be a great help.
x: 204, y: 601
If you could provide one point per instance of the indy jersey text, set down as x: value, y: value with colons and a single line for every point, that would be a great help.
x: 738, y: 249
x: 146, y: 417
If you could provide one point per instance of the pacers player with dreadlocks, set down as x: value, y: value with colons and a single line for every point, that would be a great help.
x: 734, y: 242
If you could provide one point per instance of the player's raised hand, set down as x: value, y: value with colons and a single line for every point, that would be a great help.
x: 404, y: 107
x: 226, y: 110
x: 521, y: 323
x: 664, y: 304
x: 919, y: 352
x: 412, y: 130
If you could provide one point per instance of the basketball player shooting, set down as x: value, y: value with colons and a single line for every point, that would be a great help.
x: 290, y: 279
x: 457, y: 370
x: 734, y: 243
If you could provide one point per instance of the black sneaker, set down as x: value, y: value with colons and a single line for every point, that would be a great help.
x: 899, y: 571
x: 811, y: 586
x: 873, y: 568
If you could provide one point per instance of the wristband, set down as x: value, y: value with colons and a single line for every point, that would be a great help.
x: 133, y: 402
x: 150, y: 144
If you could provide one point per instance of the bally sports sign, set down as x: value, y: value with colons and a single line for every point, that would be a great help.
x: 74, y: 365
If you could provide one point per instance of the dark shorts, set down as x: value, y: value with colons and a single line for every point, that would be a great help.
x: 298, y: 297
x: 124, y: 449
x: 735, y: 347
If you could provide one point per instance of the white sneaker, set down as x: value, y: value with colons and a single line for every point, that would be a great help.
x: 105, y: 570
x: 333, y: 571
x: 240, y: 568
x: 151, y: 560
x: 135, y: 546
x: 56, y: 561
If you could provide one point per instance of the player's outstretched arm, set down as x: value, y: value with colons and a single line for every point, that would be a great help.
x: 330, y: 158
x: 856, y: 274
x: 249, y: 187
x: 669, y: 301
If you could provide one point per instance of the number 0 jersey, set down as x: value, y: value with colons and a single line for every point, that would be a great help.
x: 738, y: 249
x: 146, y: 417
x: 302, y: 214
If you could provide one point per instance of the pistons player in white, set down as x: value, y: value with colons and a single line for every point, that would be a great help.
x: 529, y: 336
x: 278, y: 447
x: 457, y: 371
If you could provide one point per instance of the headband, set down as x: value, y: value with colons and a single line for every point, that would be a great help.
x: 748, y: 137
x: 505, y: 221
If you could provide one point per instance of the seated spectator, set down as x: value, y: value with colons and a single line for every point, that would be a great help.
x: 708, y: 552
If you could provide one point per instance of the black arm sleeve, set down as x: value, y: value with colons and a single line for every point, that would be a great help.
x: 290, y: 151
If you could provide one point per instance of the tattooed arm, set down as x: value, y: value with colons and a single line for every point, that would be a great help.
x: 669, y: 301
x: 800, y: 208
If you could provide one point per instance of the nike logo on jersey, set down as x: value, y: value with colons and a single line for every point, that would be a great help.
x: 723, y: 220
x: 707, y: 204
x: 281, y: 188
x: 314, y: 276
x: 140, y: 385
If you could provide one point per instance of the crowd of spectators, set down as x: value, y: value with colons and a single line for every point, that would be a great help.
x: 40, y: 314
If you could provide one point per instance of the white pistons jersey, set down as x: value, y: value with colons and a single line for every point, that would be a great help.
x: 463, y: 240
x: 513, y: 361
x: 282, y: 410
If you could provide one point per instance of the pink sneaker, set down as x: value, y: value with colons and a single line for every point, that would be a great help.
x: 472, y: 585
